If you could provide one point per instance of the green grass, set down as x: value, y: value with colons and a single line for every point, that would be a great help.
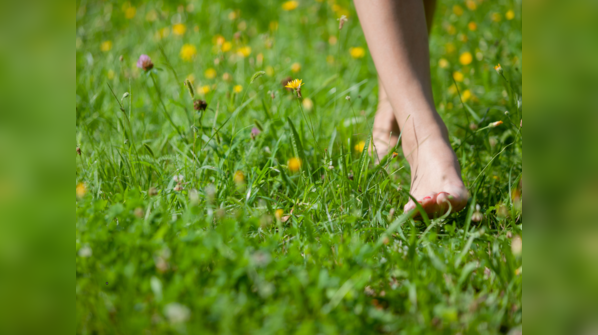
x: 214, y: 256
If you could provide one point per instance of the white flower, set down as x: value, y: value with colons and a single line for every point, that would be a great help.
x: 85, y: 251
x: 177, y: 313
x: 178, y: 178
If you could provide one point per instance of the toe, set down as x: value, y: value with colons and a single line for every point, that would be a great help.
x: 457, y: 200
x: 409, y: 206
x: 429, y: 204
x: 442, y: 200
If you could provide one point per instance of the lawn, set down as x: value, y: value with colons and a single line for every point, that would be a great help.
x: 264, y: 213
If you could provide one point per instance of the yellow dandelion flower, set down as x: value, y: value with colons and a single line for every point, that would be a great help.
x: 472, y: 26
x: 232, y: 15
x: 510, y: 15
x: 443, y: 63
x: 269, y: 71
x: 308, y: 104
x: 359, y: 146
x: 203, y: 89
x: 239, y: 177
x: 210, y: 73
x: 496, y: 17
x: 295, y: 84
x: 357, y: 52
x: 296, y: 67
x: 458, y: 10
x: 226, y: 46
x: 278, y: 214
x: 290, y: 5
x: 466, y: 58
x: 244, y: 51
x: 130, y: 12
x: 471, y: 4
x: 237, y: 88
x: 80, y: 190
x: 465, y: 95
x: 332, y: 40
x: 179, y: 29
x: 274, y: 25
x: 188, y: 52
x: 294, y: 164
x: 458, y: 76
x: 219, y: 39
x: 106, y: 46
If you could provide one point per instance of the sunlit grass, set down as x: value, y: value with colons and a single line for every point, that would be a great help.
x: 214, y: 194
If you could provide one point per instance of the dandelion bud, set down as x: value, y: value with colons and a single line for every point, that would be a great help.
x: 495, y: 124
x: 200, y: 105
x: 498, y: 69
x: 341, y: 22
x: 121, y: 58
x: 394, y: 155
x: 78, y: 151
x: 145, y: 63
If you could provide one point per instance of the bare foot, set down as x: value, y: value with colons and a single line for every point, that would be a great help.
x: 386, y: 129
x: 435, y: 172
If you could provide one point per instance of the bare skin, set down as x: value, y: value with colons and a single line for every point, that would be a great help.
x: 397, y: 37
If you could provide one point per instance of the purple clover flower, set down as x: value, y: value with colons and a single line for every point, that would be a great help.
x: 145, y: 63
x: 255, y: 132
